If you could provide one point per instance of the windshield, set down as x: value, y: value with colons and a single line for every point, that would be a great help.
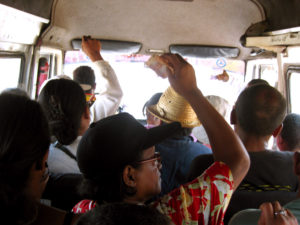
x: 140, y: 83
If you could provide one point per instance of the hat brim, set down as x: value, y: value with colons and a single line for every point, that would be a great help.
x: 188, y: 124
x: 158, y: 134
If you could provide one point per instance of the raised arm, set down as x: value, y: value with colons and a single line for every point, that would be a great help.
x: 226, y: 145
x: 109, y: 98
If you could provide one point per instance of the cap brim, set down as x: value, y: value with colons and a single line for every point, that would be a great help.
x: 158, y: 134
x: 86, y: 87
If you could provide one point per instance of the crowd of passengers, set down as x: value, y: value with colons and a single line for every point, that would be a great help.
x: 99, y: 167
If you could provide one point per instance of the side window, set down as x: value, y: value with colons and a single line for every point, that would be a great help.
x: 293, y: 82
x: 269, y: 73
x: 265, y: 69
x: 10, y: 71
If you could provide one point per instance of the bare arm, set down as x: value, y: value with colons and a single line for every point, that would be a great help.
x: 226, y: 145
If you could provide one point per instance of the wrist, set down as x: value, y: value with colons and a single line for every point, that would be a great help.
x: 95, y: 57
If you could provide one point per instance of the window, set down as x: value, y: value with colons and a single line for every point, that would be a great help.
x: 294, y: 91
x: 266, y: 69
x: 9, y: 72
x: 140, y: 83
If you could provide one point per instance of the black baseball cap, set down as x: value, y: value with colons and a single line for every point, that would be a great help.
x: 116, y: 141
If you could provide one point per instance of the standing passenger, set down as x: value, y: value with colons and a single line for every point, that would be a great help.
x: 118, y: 160
x: 180, y: 149
x: 108, y: 100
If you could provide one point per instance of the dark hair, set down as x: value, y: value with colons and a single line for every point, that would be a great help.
x: 183, y: 131
x: 257, y: 82
x: 260, y: 109
x: 152, y: 101
x: 16, y: 91
x: 290, y: 132
x: 64, y: 103
x: 84, y: 75
x: 123, y: 213
x: 24, y: 140
x: 110, y: 187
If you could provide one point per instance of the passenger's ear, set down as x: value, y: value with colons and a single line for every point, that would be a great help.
x: 233, y: 116
x: 277, y: 130
x: 86, y: 113
x: 297, y: 163
x: 129, y: 176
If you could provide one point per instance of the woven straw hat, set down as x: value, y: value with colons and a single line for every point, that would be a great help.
x: 173, y: 107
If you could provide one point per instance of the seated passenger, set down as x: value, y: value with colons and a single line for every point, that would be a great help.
x: 257, y: 115
x: 118, y: 161
x: 151, y: 120
x: 68, y: 114
x: 108, y: 100
x: 24, y: 143
x: 123, y: 213
x: 179, y: 150
x: 289, y: 137
x: 252, y: 216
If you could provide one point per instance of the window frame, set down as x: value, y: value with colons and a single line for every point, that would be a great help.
x: 22, y: 65
x: 290, y: 70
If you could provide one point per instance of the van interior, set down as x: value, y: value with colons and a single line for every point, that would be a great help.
x: 246, y: 38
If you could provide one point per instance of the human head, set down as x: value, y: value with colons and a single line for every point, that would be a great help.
x: 172, y: 107
x: 289, y: 137
x: 259, y: 110
x: 123, y: 213
x: 109, y: 156
x: 64, y: 104
x: 152, y: 120
x: 256, y: 82
x: 16, y: 91
x: 219, y: 103
x: 24, y: 143
x: 85, y: 76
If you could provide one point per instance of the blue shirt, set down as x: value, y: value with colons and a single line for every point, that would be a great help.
x: 177, y: 155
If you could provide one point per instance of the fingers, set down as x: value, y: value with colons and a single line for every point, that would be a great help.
x: 266, y: 213
x: 91, y: 47
x: 276, y: 206
x: 274, y: 214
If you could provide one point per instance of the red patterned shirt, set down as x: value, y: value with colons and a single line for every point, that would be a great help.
x: 202, y: 201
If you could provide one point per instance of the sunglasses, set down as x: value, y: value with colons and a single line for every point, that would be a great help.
x: 156, y: 158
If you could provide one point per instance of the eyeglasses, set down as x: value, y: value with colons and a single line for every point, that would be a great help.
x: 46, y: 173
x: 156, y: 158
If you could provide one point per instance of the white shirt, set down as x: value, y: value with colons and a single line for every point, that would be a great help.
x: 109, y: 98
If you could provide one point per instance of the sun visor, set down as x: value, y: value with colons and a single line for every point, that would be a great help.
x: 112, y: 46
x: 205, y: 51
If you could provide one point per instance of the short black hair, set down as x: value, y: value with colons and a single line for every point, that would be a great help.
x: 257, y: 82
x: 152, y: 101
x: 123, y: 213
x: 260, y: 109
x: 290, y: 132
x: 84, y: 75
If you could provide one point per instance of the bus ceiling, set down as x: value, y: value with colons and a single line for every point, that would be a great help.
x: 156, y: 24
